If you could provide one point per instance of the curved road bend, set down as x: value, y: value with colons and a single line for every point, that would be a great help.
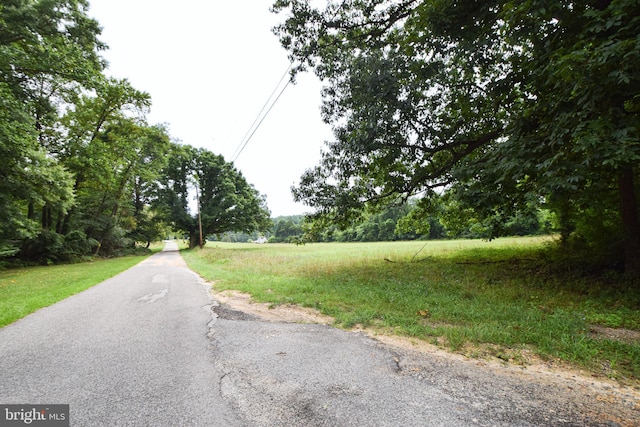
x: 150, y: 348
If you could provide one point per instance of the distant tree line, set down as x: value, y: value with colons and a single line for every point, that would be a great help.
x: 449, y: 220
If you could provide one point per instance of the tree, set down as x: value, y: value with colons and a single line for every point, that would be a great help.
x: 151, y: 160
x: 48, y: 54
x: 505, y: 103
x: 106, y: 144
x: 287, y: 229
x: 80, y: 170
x: 48, y: 49
x: 227, y: 201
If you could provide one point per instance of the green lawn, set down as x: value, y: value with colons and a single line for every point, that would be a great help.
x: 504, y: 298
x: 25, y: 290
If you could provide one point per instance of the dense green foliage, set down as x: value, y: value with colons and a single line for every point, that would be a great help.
x: 227, y: 202
x: 508, y: 105
x: 407, y: 222
x: 82, y: 169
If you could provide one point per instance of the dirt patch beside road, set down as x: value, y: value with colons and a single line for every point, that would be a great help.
x: 618, y: 334
x: 603, y: 398
x: 285, y: 313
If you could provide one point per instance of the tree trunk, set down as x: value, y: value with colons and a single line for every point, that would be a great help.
x: 60, y: 221
x: 194, y: 239
x: 561, y: 206
x: 630, y: 222
x: 46, y: 217
x: 66, y: 221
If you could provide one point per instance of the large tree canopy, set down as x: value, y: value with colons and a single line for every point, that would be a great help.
x: 503, y: 103
x: 48, y: 53
x: 227, y: 201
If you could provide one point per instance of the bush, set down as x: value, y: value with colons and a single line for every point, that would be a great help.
x: 50, y: 247
x: 114, y: 241
x: 46, y: 248
x: 76, y: 244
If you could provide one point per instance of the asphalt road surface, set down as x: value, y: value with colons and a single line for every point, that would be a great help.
x: 150, y: 347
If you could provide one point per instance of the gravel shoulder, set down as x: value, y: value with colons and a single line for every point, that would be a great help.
x: 596, y: 400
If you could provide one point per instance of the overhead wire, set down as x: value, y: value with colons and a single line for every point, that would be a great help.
x: 260, y: 117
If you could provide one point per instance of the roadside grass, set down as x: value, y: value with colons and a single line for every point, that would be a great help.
x: 508, y: 298
x: 25, y: 290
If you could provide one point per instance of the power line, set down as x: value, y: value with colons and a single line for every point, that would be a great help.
x: 247, y: 137
x: 260, y: 117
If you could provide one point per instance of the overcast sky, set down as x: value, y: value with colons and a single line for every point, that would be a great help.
x: 210, y: 66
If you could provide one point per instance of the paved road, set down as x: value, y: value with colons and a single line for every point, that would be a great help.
x: 150, y: 348
x: 130, y: 351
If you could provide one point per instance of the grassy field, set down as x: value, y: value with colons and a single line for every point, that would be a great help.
x: 507, y: 299
x: 25, y: 290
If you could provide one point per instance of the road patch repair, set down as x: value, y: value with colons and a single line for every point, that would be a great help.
x: 499, y: 393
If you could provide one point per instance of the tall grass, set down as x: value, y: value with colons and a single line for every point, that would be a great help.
x: 501, y: 297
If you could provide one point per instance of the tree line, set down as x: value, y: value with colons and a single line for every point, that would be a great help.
x: 83, y: 172
x: 450, y: 221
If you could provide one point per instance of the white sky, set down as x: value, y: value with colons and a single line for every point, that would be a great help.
x: 210, y: 66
